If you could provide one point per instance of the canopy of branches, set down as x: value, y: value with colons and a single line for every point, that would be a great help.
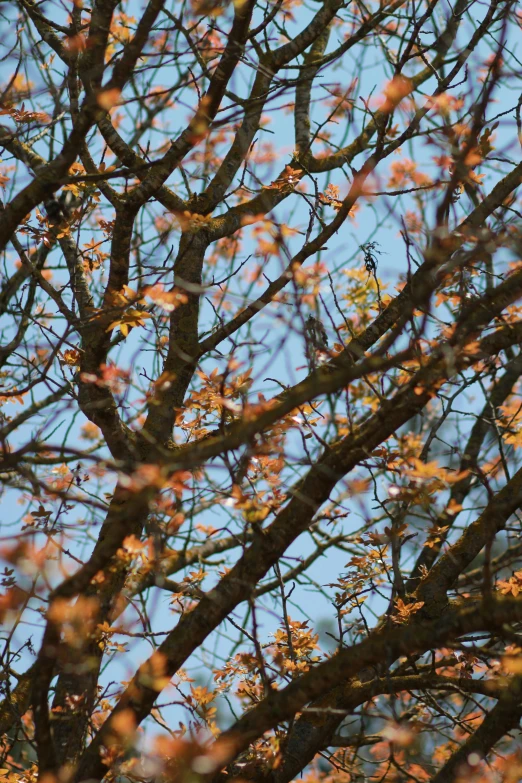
x: 260, y: 373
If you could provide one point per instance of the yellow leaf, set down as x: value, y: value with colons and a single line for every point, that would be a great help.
x: 512, y: 663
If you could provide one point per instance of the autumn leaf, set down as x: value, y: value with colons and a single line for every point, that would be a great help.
x: 394, y: 92
x: 288, y: 179
x: 129, y: 320
x: 405, y: 611
x: 167, y: 300
x: 512, y: 586
x: 71, y: 357
x: 107, y: 99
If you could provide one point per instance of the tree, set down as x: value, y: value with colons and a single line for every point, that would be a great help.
x: 261, y: 375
